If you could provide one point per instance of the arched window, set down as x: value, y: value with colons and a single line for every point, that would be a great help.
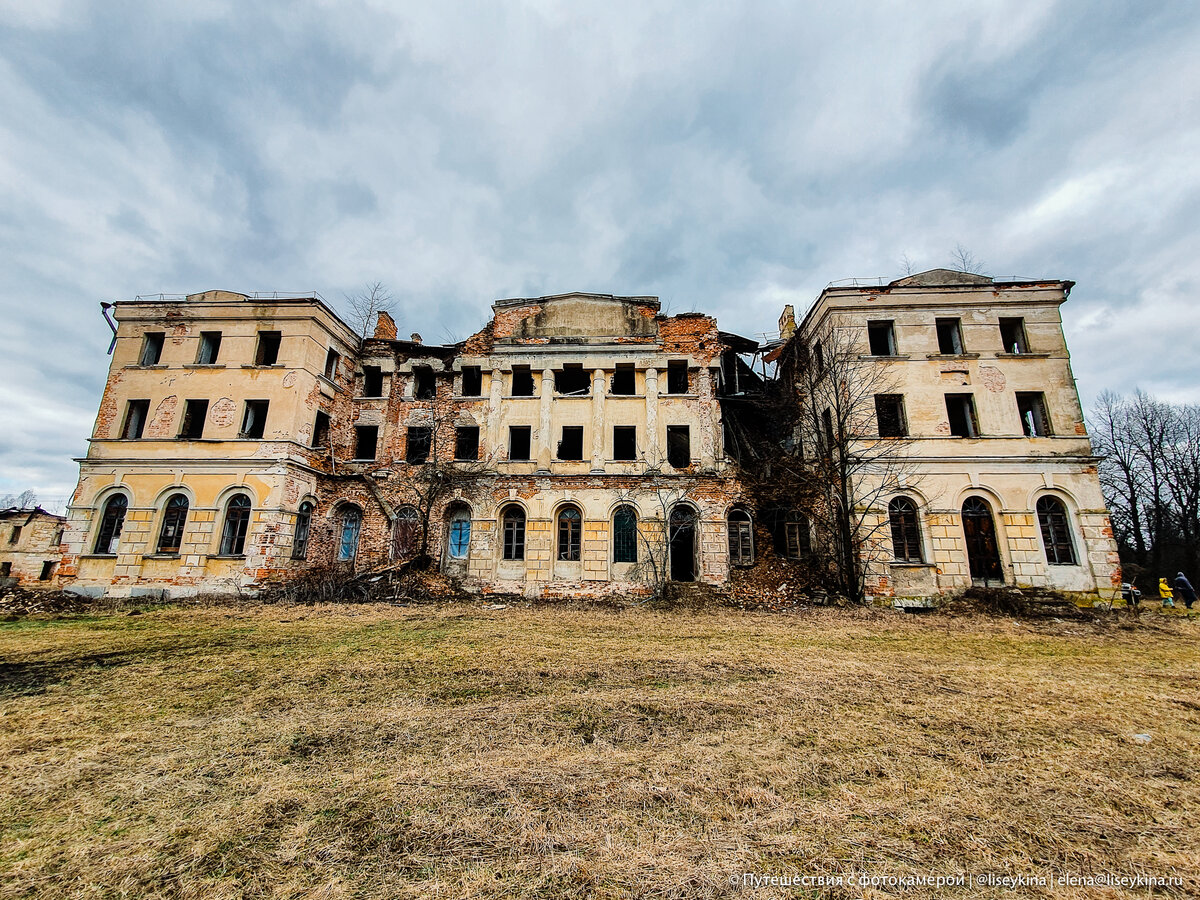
x: 174, y: 517
x: 570, y: 533
x: 458, y: 540
x: 351, y: 526
x: 625, y: 534
x: 741, y: 538
x: 906, y: 533
x: 112, y: 520
x: 303, y: 527
x: 405, y: 531
x: 1056, y: 532
x: 513, y: 521
x: 237, y: 521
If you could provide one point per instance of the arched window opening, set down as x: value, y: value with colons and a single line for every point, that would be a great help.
x: 351, y: 526
x: 983, y: 550
x: 741, y: 538
x: 303, y: 527
x: 1056, y: 532
x: 906, y: 533
x: 458, y: 540
x: 681, y: 541
x: 513, y: 521
x: 237, y: 522
x: 625, y: 523
x: 406, y: 532
x: 112, y: 520
x: 570, y: 534
x: 170, y: 536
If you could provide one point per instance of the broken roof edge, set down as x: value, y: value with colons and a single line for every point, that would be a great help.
x: 737, y: 342
x: 641, y: 300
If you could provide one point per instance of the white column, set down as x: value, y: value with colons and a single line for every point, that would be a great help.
x: 494, y: 438
x: 652, y: 453
x: 598, y: 422
x: 546, y: 439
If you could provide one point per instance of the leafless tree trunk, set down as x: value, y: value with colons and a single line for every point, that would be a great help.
x: 364, y: 307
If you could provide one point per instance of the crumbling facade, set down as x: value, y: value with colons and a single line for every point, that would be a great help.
x: 30, y: 542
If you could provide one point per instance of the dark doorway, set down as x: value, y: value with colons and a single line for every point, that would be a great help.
x: 982, y: 552
x: 683, y: 543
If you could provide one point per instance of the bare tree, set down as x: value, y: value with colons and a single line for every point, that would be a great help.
x: 1120, y: 471
x: 364, y: 307
x: 906, y: 264
x: 963, y: 260
x: 27, y: 499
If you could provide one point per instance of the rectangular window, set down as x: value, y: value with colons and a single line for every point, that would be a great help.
x: 332, y: 358
x: 960, y: 408
x: 417, y: 443
x: 882, y: 338
x: 366, y: 440
x: 15, y: 534
x: 320, y: 435
x: 518, y: 442
x: 254, y: 419
x: 372, y: 381
x: 677, y: 377
x: 5, y: 569
x: 472, y: 381
x: 466, y: 442
x: 819, y: 357
x: 268, y: 348
x: 522, y: 381
x: 679, y: 446
x: 889, y: 412
x: 423, y: 384
x: 1012, y: 336
x: 152, y: 345
x: 949, y: 333
x: 1034, y: 421
x: 625, y: 442
x: 796, y: 537
x: 571, y: 445
x: 47, y: 570
x: 194, y: 412
x: 572, y: 380
x: 210, y: 348
x: 135, y: 419
x: 623, y: 382
x: 827, y: 421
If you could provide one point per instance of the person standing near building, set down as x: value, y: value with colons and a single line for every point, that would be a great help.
x: 1185, y: 590
x: 1164, y: 591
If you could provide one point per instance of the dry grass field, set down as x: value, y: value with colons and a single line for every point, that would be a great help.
x: 459, y: 751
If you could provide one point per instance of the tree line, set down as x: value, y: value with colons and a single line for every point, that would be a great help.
x: 1150, y: 475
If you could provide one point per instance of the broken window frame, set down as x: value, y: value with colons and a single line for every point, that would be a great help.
x: 174, y: 520
x: 797, y: 538
x: 1035, y: 419
x: 570, y: 441
x: 152, y: 348
x: 332, y: 359
x: 572, y: 381
x: 677, y: 376
x: 950, y: 337
x: 418, y: 444
x: 679, y: 446
x: 47, y: 570
x: 905, y: 525
x: 210, y: 348
x: 570, y: 534
x: 112, y: 521
x: 1055, y: 526
x: 424, y: 383
x: 960, y: 412
x: 236, y: 526
x: 372, y: 382
x: 136, y: 414
x: 512, y: 520
x: 890, y: 416
x: 1013, y: 338
x: 466, y: 442
x: 191, y: 426
x: 366, y: 437
x: 254, y: 419
x: 517, y: 435
x: 625, y: 534
x: 15, y: 535
x: 322, y: 428
x: 740, y: 528
x: 881, y: 337
x: 266, y: 353
x: 625, y: 443
x: 303, y: 529
x: 351, y: 533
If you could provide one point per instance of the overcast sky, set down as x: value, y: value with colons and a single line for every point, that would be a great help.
x: 728, y: 158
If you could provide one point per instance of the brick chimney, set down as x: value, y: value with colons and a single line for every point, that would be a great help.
x: 385, y: 327
x: 787, y: 322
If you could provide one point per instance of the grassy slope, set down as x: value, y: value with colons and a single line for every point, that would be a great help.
x: 559, y: 752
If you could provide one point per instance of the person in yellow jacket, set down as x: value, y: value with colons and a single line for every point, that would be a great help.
x: 1164, y: 591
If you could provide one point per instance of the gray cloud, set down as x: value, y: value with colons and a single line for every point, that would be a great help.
x: 731, y: 159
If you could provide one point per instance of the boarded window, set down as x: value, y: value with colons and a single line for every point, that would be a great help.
x: 1056, y: 532
x: 625, y: 534
x: 237, y: 523
x: 889, y: 412
x: 882, y: 338
x: 518, y: 442
x: 417, y: 442
x: 623, y: 382
x: 1012, y: 336
x: 366, y: 441
x: 466, y: 442
x: 570, y: 534
x: 513, y: 522
x: 949, y: 335
x: 372, y: 381
x: 625, y: 442
x: 741, y: 538
x: 254, y: 419
x: 112, y: 520
x: 677, y: 377
x: 960, y: 409
x: 152, y: 346
x: 210, y: 348
x: 906, y: 534
x: 170, y: 536
x: 320, y: 436
x: 135, y: 419
x: 267, y: 353
x: 571, y: 445
x: 1034, y: 421
x: 192, y: 426
x: 572, y: 380
x: 679, y: 446
x: 522, y: 381
x: 303, y: 527
x: 423, y: 383
x: 331, y: 363
x: 472, y: 381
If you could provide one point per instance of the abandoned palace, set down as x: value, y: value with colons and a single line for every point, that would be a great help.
x: 584, y: 444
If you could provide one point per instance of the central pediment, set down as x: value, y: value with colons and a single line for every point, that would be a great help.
x: 575, y: 317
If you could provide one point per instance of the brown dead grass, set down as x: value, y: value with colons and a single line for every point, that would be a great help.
x: 458, y: 751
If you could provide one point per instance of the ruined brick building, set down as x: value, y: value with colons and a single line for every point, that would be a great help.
x: 576, y: 445
x: 29, y: 546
